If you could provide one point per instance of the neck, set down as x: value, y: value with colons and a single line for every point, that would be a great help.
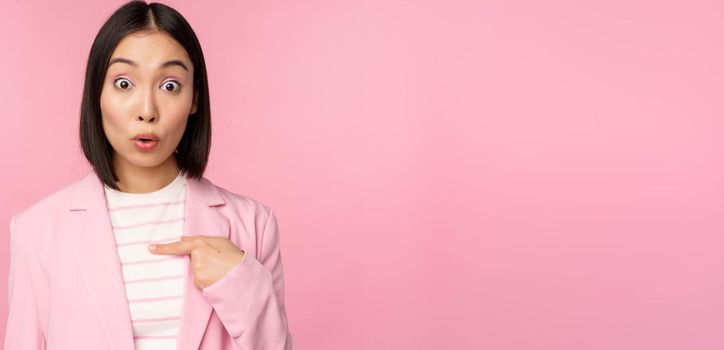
x: 134, y: 179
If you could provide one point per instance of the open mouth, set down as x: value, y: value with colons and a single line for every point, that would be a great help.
x: 145, y: 144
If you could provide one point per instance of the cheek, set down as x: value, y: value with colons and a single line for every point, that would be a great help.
x: 176, y: 126
x: 112, y: 116
x: 175, y: 113
x: 177, y: 104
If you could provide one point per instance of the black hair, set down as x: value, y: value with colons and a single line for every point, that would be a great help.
x: 136, y: 16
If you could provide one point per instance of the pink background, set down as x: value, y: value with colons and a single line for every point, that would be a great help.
x: 447, y: 174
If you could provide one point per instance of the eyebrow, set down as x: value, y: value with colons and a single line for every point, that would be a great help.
x: 164, y: 65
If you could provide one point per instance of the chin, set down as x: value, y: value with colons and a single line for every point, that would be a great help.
x: 146, y: 160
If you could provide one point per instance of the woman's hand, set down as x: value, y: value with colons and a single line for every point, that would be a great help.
x: 211, y: 257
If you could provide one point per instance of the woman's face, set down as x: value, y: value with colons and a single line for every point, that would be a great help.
x: 148, y: 88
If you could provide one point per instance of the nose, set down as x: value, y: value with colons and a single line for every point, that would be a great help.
x: 142, y: 118
x: 148, y: 108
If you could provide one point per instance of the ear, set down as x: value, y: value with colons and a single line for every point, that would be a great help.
x: 196, y: 100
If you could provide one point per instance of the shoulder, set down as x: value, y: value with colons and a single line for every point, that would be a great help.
x: 31, y: 226
x: 242, y: 208
x: 241, y: 202
x: 47, y: 206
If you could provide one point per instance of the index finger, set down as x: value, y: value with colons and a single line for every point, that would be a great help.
x: 178, y: 247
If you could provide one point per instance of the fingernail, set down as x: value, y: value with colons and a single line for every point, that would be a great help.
x: 152, y: 247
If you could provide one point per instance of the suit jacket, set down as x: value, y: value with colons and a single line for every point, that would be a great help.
x: 66, y: 290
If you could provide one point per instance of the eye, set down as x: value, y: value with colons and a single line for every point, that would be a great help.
x: 124, y: 83
x: 170, y: 84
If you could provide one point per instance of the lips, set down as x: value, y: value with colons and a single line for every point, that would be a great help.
x: 145, y: 142
x: 145, y: 137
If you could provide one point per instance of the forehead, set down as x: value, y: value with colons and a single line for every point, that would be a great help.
x: 149, y: 50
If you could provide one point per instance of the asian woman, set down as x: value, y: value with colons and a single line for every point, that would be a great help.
x: 144, y: 252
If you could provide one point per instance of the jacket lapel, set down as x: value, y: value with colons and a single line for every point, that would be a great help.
x: 94, y: 247
x: 202, y: 218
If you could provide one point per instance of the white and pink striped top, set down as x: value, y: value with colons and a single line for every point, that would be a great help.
x: 154, y: 283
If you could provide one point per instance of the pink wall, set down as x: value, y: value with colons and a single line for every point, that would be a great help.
x: 447, y: 175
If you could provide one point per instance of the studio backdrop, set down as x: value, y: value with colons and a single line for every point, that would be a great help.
x: 445, y: 174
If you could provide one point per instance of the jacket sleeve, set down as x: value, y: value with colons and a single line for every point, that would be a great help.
x: 23, y: 329
x: 249, y: 299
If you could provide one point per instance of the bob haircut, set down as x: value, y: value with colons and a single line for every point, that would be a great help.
x: 192, y: 152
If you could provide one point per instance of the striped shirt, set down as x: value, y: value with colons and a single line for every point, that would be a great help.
x: 153, y: 283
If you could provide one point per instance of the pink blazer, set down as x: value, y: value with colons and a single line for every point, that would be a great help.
x: 65, y: 285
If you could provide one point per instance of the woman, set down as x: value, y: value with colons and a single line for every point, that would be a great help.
x: 144, y: 252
